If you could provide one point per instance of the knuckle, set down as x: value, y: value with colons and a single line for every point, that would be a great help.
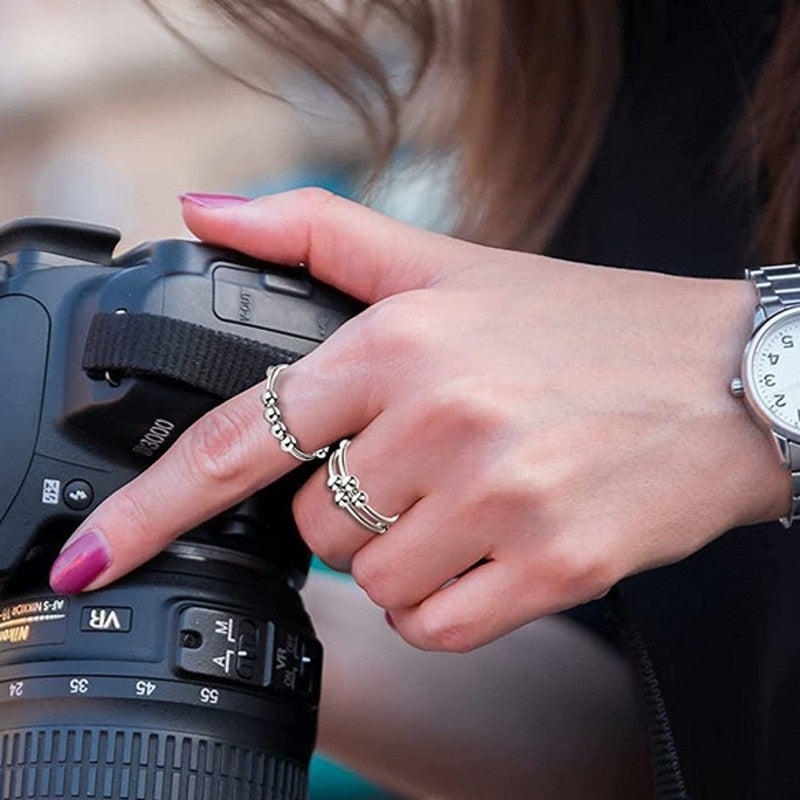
x: 137, y: 517
x: 579, y: 572
x: 440, y: 632
x: 214, y: 448
x: 593, y: 577
x: 526, y: 479
x: 315, y: 197
x: 465, y: 406
x: 318, y: 203
x: 396, y: 327
x: 377, y: 584
x: 506, y: 485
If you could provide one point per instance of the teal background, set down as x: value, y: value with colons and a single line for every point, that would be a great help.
x: 330, y: 781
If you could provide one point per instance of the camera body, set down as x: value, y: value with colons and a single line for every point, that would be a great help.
x: 199, y: 674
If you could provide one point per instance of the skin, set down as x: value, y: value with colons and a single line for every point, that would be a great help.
x: 570, y: 424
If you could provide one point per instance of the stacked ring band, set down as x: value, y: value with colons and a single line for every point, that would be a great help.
x: 277, y: 427
x: 348, y: 494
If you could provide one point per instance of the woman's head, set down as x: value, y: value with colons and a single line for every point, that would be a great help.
x: 534, y: 82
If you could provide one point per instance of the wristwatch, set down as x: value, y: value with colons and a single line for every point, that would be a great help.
x: 770, y: 378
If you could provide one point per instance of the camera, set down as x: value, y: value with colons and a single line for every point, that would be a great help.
x: 198, y: 675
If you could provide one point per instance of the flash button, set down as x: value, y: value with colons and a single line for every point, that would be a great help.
x: 78, y: 495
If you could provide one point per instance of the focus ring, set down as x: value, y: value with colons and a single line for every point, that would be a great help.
x: 60, y: 762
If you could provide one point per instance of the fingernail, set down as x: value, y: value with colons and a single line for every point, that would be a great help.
x: 205, y: 200
x: 80, y: 563
x: 389, y: 620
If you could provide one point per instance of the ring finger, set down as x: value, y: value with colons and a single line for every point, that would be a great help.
x: 383, y: 463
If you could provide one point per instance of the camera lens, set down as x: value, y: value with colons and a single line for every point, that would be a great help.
x: 195, y: 677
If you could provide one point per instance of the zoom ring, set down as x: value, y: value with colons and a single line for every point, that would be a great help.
x: 106, y: 763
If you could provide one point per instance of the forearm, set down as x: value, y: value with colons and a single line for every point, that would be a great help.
x: 547, y: 711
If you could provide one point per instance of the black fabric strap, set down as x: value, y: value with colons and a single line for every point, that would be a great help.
x: 147, y: 345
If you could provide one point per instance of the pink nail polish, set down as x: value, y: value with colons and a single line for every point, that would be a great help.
x: 205, y: 200
x: 80, y: 563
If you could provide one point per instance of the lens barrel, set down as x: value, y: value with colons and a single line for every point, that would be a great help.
x: 197, y: 677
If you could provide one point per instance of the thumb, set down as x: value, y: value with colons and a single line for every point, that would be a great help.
x: 363, y: 253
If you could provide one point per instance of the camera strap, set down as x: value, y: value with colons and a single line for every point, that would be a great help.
x: 151, y: 346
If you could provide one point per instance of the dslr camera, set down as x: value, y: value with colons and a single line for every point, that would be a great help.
x: 197, y: 677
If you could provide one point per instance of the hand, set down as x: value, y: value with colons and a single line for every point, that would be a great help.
x: 568, y: 424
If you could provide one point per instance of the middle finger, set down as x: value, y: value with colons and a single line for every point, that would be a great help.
x: 383, y: 462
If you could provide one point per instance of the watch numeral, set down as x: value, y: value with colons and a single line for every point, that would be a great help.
x: 769, y: 380
x: 773, y: 358
x: 787, y: 340
x: 780, y: 400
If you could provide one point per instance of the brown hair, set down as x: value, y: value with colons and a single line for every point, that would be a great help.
x: 536, y: 83
x: 770, y: 135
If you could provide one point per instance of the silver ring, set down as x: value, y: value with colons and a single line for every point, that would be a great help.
x: 348, y: 494
x: 277, y: 427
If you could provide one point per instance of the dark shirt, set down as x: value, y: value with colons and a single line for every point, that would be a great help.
x: 716, y: 638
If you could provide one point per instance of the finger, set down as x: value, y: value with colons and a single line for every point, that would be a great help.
x: 221, y: 459
x: 480, y: 606
x: 385, y: 461
x: 424, y: 550
x: 347, y: 245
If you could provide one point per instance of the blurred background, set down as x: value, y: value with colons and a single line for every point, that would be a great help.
x: 106, y: 117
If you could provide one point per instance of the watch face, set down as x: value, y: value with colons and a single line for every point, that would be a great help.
x: 772, y: 372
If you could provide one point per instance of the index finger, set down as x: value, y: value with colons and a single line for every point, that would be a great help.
x: 220, y: 460
x: 354, y: 248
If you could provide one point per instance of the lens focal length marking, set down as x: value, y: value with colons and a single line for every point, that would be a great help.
x: 134, y: 688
